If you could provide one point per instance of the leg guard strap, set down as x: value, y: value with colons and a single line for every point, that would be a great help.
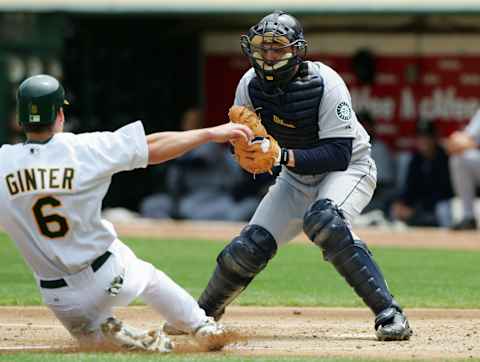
x: 361, y: 272
x: 387, y: 314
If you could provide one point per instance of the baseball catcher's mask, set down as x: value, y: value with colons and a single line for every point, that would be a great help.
x: 281, y: 34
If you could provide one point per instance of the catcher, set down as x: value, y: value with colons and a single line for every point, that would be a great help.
x: 327, y: 174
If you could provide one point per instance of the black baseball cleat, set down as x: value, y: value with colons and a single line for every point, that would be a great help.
x: 217, y: 316
x: 392, y: 325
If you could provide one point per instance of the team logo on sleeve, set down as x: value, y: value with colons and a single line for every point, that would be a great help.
x: 344, y: 111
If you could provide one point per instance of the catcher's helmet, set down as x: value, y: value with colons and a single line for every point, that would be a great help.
x: 38, y: 100
x: 286, y: 33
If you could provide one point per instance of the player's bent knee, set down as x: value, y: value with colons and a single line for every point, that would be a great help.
x: 248, y: 253
x: 325, y: 226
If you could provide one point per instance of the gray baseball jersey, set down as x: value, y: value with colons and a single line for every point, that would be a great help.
x: 465, y: 170
x: 282, y: 209
x: 473, y: 127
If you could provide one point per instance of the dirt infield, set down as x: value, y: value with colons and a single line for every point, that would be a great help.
x: 279, y: 331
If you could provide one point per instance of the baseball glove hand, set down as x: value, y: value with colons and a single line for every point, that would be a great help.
x: 244, y: 115
x: 259, y: 156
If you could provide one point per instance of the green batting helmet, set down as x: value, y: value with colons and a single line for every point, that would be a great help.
x: 38, y: 100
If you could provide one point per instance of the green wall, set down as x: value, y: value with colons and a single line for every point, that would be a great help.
x: 3, y: 100
x: 24, y: 36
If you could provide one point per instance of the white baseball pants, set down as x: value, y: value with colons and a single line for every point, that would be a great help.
x: 86, y: 302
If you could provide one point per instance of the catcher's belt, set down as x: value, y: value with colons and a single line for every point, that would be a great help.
x: 60, y: 283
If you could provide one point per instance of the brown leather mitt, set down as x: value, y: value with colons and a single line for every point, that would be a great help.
x: 258, y: 156
x: 244, y: 115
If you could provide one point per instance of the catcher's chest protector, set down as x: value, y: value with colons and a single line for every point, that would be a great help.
x: 291, y: 118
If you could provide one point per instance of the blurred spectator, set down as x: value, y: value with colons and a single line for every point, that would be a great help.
x: 15, y: 132
x: 425, y: 199
x: 386, y: 171
x: 465, y: 169
x: 203, y: 184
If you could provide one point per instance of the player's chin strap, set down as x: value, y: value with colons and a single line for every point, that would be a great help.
x: 237, y: 265
x: 325, y: 225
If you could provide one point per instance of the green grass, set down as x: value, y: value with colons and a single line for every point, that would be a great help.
x: 121, y: 357
x: 297, y: 276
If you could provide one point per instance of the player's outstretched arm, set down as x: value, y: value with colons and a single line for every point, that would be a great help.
x: 164, y: 146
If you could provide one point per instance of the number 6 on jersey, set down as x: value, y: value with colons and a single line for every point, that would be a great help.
x: 53, y: 225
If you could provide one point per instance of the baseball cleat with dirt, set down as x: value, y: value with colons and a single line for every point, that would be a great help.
x: 392, y: 326
x: 211, y: 335
x: 119, y: 334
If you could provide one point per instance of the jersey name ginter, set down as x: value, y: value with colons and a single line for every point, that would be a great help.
x: 34, y: 179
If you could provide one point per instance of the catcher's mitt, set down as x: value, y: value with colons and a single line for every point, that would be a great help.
x: 244, y: 115
x: 262, y: 153
x: 258, y: 156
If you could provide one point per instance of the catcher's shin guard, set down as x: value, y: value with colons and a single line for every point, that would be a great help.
x: 237, y: 265
x: 325, y: 225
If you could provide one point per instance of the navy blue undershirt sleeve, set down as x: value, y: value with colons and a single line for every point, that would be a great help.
x: 333, y: 154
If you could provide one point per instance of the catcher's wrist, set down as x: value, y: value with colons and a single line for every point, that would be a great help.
x: 291, y: 158
x: 283, y: 157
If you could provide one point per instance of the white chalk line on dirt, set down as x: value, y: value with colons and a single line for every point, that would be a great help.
x: 25, y: 348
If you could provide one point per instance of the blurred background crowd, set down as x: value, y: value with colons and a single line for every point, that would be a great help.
x: 412, y: 71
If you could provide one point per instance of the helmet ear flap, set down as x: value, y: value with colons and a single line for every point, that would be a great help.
x: 301, y: 48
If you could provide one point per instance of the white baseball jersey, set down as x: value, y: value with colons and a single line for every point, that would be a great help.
x: 51, y: 195
x: 336, y: 117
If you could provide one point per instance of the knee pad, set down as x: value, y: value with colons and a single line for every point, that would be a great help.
x: 248, y: 253
x: 325, y: 226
